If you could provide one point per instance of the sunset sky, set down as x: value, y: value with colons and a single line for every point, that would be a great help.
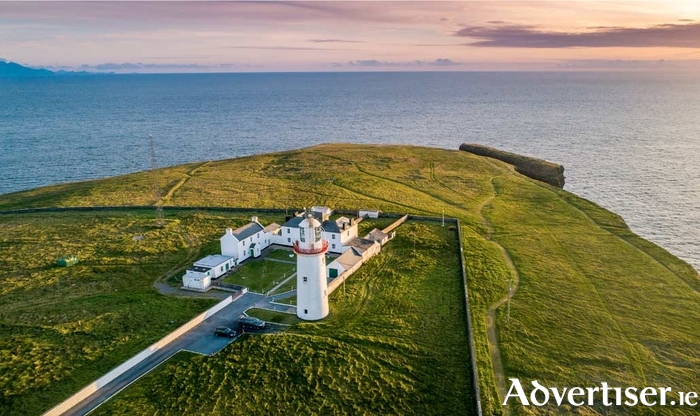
x: 351, y: 35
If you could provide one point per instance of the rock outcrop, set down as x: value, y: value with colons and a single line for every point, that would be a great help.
x: 534, y: 168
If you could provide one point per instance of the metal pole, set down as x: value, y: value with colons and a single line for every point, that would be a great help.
x: 156, y: 188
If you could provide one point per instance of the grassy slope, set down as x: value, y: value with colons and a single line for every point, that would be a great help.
x: 394, y: 342
x: 595, y: 300
x: 61, y: 328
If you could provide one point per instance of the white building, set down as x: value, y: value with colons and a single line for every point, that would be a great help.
x: 289, y: 232
x: 365, y: 213
x: 321, y: 213
x: 196, y: 278
x: 337, y: 232
x: 217, y: 264
x: 379, y: 236
x: 249, y: 240
x: 199, y: 275
x: 348, y: 261
x: 312, y: 282
x: 311, y: 235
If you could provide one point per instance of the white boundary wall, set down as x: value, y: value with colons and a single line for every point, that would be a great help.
x: 136, y: 359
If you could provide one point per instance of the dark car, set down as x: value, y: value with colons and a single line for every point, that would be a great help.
x: 248, y: 322
x: 223, y: 331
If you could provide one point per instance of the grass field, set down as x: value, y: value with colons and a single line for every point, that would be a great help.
x: 394, y: 343
x: 285, y: 255
x: 61, y: 328
x: 260, y: 275
x: 290, y: 284
x: 594, y: 300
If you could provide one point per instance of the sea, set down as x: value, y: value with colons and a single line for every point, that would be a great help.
x: 629, y: 141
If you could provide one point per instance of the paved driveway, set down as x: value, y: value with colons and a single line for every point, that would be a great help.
x: 200, y: 339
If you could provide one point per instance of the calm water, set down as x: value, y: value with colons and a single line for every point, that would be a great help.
x: 629, y: 142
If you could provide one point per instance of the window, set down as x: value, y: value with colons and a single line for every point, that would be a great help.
x: 221, y: 269
x: 301, y: 235
x: 288, y: 231
x: 333, y: 236
x: 305, y: 279
x: 289, y: 240
x: 318, y: 234
x: 243, y: 242
x: 333, y: 245
x: 306, y: 311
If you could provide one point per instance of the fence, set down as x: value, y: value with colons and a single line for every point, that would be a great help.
x: 344, y: 275
x: 395, y: 224
x: 470, y: 327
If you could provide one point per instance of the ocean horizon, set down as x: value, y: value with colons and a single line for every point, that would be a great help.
x: 627, y: 140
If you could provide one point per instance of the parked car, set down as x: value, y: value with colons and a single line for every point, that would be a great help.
x: 248, y: 322
x: 223, y: 331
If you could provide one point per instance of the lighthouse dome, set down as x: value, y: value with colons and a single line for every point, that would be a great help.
x: 309, y: 222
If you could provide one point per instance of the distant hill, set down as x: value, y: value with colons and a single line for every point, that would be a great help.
x: 13, y: 70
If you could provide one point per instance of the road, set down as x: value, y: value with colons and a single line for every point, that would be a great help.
x: 200, y: 339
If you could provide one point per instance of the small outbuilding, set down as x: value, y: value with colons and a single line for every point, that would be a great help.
x: 349, y: 260
x: 217, y: 264
x: 378, y: 235
x: 197, y: 278
x: 366, y: 213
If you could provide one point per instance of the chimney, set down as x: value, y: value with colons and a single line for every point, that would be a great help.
x: 229, y: 231
x: 254, y: 218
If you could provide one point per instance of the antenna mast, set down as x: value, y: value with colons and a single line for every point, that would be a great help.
x: 156, y: 188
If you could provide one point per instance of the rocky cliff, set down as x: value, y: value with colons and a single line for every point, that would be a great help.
x: 534, y: 168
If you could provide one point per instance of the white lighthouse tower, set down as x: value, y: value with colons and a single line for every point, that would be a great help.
x: 312, y: 284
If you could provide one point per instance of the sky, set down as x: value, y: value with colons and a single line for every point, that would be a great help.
x: 351, y: 35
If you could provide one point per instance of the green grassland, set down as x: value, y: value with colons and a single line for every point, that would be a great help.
x: 61, y: 328
x: 290, y: 284
x: 260, y: 275
x: 595, y: 302
x: 395, y: 343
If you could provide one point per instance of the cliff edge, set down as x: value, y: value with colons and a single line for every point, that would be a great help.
x: 534, y: 168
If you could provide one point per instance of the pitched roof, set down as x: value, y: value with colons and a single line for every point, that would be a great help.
x: 377, y: 235
x: 360, y: 244
x: 349, y: 259
x: 294, y: 222
x: 330, y: 226
x: 247, y: 230
x: 335, y: 226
